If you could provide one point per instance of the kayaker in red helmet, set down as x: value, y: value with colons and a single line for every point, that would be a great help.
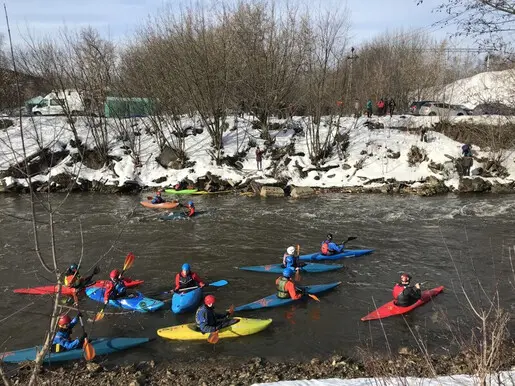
x: 405, y: 295
x: 286, y: 286
x: 329, y: 247
x: 62, y: 339
x: 208, y: 320
x: 115, y: 288
x: 187, y: 279
x: 157, y: 198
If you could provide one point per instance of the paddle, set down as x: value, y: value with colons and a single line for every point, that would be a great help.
x: 314, y: 297
x: 297, y: 272
x: 219, y: 283
x: 349, y: 239
x: 89, y: 350
x: 214, y: 337
x: 129, y: 260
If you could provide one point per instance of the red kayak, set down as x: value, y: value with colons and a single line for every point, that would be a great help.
x: 52, y: 289
x: 390, y: 309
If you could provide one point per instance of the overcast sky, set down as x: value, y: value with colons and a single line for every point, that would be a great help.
x: 118, y: 19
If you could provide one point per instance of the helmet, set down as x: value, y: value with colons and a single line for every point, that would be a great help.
x: 190, y: 203
x: 186, y: 267
x: 288, y: 272
x: 73, y: 267
x: 64, y: 320
x: 158, y: 193
x: 329, y: 236
x: 114, y: 274
x: 290, y: 250
x: 209, y: 300
x: 405, y: 277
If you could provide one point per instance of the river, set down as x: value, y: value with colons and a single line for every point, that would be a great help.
x: 447, y: 240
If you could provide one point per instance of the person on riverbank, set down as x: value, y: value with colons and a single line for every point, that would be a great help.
x: 207, y: 320
x: 329, y: 247
x: 62, y: 339
x: 259, y: 158
x: 157, y: 198
x: 291, y: 259
x: 286, y: 286
x: 405, y: 295
x: 467, y: 161
x: 369, y: 108
x: 357, y: 112
x: 391, y: 106
x: 187, y: 279
x: 115, y: 287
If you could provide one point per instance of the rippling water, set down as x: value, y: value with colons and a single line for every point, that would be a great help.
x: 444, y: 240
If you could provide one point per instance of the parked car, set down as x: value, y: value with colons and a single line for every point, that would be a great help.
x: 441, y: 109
x: 493, y: 109
x: 414, y: 107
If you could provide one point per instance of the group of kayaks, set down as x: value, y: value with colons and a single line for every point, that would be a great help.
x: 174, y: 204
x: 188, y: 300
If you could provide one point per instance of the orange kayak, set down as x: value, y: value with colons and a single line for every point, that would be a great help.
x: 163, y: 205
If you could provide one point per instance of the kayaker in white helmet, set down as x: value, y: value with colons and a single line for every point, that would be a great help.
x: 329, y: 247
x: 405, y: 295
x: 291, y: 259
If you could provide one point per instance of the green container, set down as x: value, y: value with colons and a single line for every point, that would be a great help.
x: 117, y: 107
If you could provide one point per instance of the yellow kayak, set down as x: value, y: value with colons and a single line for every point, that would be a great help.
x: 189, y: 331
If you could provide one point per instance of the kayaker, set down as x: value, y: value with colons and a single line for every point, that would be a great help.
x: 190, y: 209
x: 405, y: 295
x: 157, y: 198
x: 286, y: 287
x: 329, y: 247
x: 187, y: 279
x: 208, y: 320
x: 62, y: 339
x: 73, y: 279
x: 290, y: 260
x: 115, y: 288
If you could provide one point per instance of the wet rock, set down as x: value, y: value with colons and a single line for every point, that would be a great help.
x: 171, y: 158
x: 498, y: 188
x: 93, y: 367
x: 395, y: 155
x: 160, y: 180
x: 346, y: 167
x: 476, y: 184
x: 416, y: 155
x: 432, y: 186
x: 271, y: 191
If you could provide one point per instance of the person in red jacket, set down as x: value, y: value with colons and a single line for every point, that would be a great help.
x: 286, y: 286
x: 115, y: 288
x: 190, y: 206
x: 405, y: 295
x: 187, y: 279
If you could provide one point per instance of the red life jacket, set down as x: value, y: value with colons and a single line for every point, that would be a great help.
x: 397, y: 290
x: 324, y: 248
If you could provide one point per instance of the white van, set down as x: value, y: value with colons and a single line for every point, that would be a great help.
x: 55, y: 103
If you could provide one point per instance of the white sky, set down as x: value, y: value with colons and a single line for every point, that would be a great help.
x: 118, y: 19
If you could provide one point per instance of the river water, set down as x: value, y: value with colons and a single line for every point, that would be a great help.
x: 450, y: 241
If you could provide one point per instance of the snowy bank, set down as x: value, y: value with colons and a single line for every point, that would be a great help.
x: 382, y: 154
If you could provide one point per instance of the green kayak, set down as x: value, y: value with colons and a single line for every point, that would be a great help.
x: 184, y: 191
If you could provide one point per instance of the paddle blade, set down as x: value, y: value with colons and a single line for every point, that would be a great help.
x: 128, y: 261
x: 297, y: 275
x: 99, y: 315
x: 89, y: 350
x: 219, y: 283
x: 213, y: 338
x: 149, y: 197
x: 314, y: 297
x: 231, y: 309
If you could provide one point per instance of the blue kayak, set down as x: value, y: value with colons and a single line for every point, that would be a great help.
x: 347, y: 254
x: 278, y: 268
x: 103, y: 346
x: 180, y: 215
x: 274, y: 301
x: 186, y: 301
x: 134, y: 302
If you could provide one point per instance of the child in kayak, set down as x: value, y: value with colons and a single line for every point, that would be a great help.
x: 208, y: 320
x: 157, y: 198
x: 329, y: 247
x: 62, y: 340
x: 115, y: 288
x: 405, y: 295
x: 187, y: 279
x: 291, y: 260
x: 286, y: 286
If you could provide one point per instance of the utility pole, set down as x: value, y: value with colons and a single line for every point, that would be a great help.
x: 351, y: 59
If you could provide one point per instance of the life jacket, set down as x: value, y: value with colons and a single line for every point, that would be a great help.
x: 397, y: 290
x: 192, y: 211
x: 72, y: 280
x: 325, y: 248
x: 295, y: 261
x: 119, y: 288
x: 282, y: 292
x: 186, y: 281
x: 380, y: 104
x: 60, y: 335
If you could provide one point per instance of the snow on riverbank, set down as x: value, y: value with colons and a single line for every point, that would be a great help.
x: 503, y: 378
x: 371, y: 154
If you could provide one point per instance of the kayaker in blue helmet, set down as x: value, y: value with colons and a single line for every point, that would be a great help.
x: 115, y: 288
x: 187, y: 279
x: 329, y: 247
x: 190, y: 209
x: 286, y: 286
x: 208, y: 320
x: 157, y: 198
x: 62, y: 339
x: 291, y: 259
x: 405, y: 295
